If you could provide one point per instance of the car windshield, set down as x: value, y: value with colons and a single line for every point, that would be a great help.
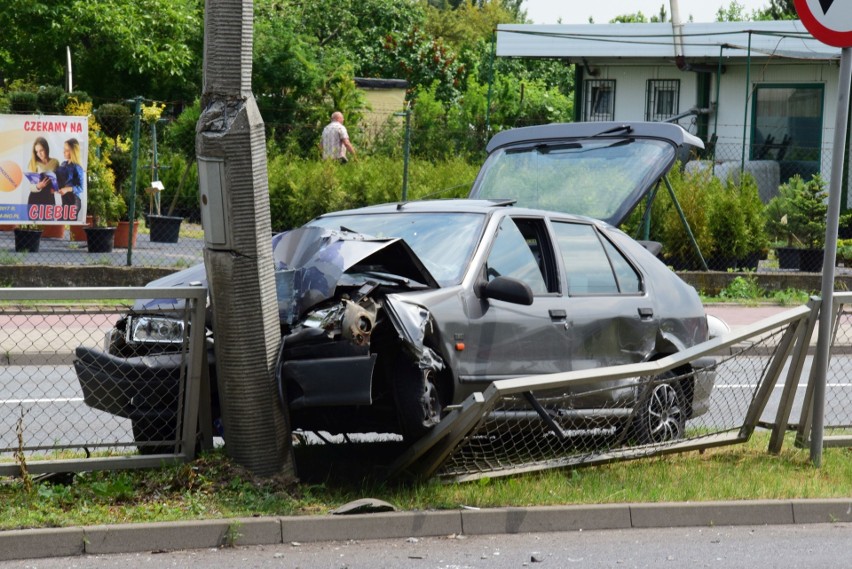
x: 599, y: 178
x: 443, y: 242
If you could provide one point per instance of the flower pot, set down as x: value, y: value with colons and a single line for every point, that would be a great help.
x: 100, y: 239
x: 810, y: 260
x: 53, y: 232
x: 78, y: 232
x: 122, y: 234
x: 788, y: 257
x: 27, y: 240
x: 164, y: 228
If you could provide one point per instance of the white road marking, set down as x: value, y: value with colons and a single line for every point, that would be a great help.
x: 59, y: 400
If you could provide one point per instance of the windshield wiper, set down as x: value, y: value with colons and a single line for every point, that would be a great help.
x: 613, y: 130
x: 546, y: 148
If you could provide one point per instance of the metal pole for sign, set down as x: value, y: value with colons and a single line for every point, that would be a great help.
x: 827, y: 311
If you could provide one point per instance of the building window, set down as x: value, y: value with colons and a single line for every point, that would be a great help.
x: 599, y: 100
x: 662, y: 99
x: 787, y: 127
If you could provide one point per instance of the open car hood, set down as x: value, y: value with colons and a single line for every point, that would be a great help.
x: 312, y: 262
x: 598, y: 169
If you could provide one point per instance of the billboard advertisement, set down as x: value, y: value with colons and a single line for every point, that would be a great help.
x: 43, y: 164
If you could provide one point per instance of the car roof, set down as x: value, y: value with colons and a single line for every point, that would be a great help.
x: 559, y: 131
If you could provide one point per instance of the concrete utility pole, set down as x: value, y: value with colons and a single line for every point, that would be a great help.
x: 231, y: 149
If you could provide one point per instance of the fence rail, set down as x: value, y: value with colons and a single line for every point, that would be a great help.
x: 601, y: 415
x: 47, y: 425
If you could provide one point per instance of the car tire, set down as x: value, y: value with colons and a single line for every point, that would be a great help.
x: 660, y: 415
x: 417, y: 398
x: 155, y: 427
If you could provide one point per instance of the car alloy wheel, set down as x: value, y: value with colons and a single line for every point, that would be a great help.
x: 662, y: 414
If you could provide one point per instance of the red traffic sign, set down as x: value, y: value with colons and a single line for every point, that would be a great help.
x: 829, y: 21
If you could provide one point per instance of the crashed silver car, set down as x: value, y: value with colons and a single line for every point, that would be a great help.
x: 391, y: 313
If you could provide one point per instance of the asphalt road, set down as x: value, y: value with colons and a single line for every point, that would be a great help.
x: 51, y: 403
x: 827, y: 546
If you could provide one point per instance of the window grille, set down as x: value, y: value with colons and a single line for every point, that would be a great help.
x: 599, y: 103
x: 662, y: 99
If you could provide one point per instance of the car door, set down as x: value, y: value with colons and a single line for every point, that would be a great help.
x: 503, y: 339
x: 609, y: 315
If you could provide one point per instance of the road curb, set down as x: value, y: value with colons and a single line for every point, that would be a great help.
x: 169, y: 536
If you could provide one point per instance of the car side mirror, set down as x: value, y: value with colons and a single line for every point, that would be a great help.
x: 508, y: 289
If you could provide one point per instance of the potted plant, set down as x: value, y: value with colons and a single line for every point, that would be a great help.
x: 28, y: 238
x: 104, y: 205
x: 796, y: 218
x: 163, y: 228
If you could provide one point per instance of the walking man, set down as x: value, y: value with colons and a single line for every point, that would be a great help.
x: 335, y: 139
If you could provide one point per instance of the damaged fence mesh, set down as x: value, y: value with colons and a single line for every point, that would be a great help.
x: 838, y: 400
x: 614, y: 419
x: 72, y: 386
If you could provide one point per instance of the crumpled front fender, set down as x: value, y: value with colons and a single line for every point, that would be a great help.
x: 413, y: 324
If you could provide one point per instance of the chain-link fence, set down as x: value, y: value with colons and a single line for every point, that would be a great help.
x: 837, y: 416
x: 711, y: 395
x: 67, y: 405
x: 87, y: 386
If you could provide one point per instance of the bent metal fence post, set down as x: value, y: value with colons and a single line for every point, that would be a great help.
x: 540, y: 422
x: 46, y: 424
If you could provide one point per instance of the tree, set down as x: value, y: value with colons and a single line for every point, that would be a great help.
x: 734, y: 12
x: 118, y: 46
x: 778, y: 10
x: 355, y: 29
x: 463, y: 27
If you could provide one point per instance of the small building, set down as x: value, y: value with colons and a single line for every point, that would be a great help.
x: 762, y: 95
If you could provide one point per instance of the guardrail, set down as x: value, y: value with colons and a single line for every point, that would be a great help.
x: 46, y: 422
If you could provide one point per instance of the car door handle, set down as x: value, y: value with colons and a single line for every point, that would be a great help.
x: 557, y: 314
x: 646, y: 313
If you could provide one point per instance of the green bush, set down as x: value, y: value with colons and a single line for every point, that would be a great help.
x: 726, y: 220
x: 49, y: 97
x: 736, y: 222
x: 103, y: 203
x: 23, y: 102
x: 74, y: 96
x: 115, y: 119
x: 301, y: 189
x: 693, y: 191
x: 797, y: 215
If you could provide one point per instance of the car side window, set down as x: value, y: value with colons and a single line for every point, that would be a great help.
x: 512, y: 256
x: 629, y: 281
x: 593, y: 265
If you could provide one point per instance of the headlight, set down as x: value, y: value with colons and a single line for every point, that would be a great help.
x: 155, y: 330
